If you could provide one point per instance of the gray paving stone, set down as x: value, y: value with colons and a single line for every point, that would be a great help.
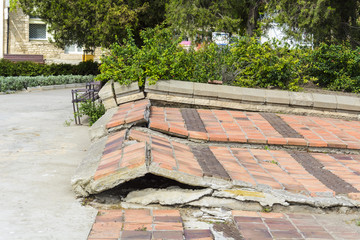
x: 207, y: 90
x: 229, y: 92
x: 301, y: 99
x: 324, y: 101
x: 106, y: 91
x: 181, y: 87
x: 348, y: 103
x: 125, y: 89
x: 161, y: 86
x: 277, y: 97
x: 253, y: 95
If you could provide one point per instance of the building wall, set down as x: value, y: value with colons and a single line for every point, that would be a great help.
x: 19, y: 42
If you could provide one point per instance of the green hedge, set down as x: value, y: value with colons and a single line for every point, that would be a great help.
x: 8, y: 69
x: 19, y: 83
x: 246, y: 63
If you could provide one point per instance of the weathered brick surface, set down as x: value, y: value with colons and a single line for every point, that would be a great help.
x: 256, y: 128
x: 129, y: 113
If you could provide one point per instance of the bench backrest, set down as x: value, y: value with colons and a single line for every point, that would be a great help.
x: 24, y: 57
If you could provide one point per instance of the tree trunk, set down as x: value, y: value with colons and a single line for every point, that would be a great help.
x: 253, y: 17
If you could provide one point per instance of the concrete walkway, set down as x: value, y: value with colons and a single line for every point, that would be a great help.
x: 38, y: 156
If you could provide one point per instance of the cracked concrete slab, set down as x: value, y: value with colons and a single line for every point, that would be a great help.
x: 168, y: 196
x: 38, y: 155
x: 264, y: 177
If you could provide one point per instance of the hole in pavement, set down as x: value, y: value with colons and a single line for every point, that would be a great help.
x: 115, y: 195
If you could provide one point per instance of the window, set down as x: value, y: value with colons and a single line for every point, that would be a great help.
x: 73, y: 49
x: 37, y: 31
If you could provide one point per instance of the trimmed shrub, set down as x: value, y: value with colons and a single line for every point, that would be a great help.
x: 19, y: 83
x: 8, y: 69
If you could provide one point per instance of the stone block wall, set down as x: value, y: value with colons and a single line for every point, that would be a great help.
x: 19, y: 42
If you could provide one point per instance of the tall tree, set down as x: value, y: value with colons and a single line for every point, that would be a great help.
x: 94, y: 23
x: 318, y: 20
x: 201, y: 17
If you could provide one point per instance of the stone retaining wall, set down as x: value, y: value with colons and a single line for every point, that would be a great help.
x: 230, y: 97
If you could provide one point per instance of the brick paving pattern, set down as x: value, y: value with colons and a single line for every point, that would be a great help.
x: 168, y: 224
x: 282, y: 127
x: 208, y: 162
x: 316, y: 168
x: 143, y: 224
x: 253, y: 225
x: 279, y: 169
x: 326, y: 132
x: 116, y: 156
x: 256, y: 128
x: 129, y: 113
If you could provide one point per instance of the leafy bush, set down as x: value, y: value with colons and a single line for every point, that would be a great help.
x: 268, y: 65
x: 336, y: 67
x: 246, y: 63
x: 19, y: 83
x: 92, y: 109
x: 8, y: 68
x: 160, y: 57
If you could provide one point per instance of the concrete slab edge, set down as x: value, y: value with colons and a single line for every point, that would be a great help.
x: 203, y: 93
x: 53, y: 87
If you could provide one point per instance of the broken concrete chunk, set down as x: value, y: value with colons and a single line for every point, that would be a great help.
x: 84, y: 173
x: 264, y: 199
x: 106, y: 92
x: 98, y: 129
x: 129, y: 114
x: 168, y: 196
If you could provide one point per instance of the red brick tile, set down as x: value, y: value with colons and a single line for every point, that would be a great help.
x: 104, y: 172
x: 336, y: 144
x: 136, y: 235
x: 173, y: 235
x: 296, y: 142
x: 166, y: 212
x: 161, y: 126
x: 217, y: 137
x: 115, y: 123
x: 182, y: 132
x: 317, y: 143
x: 256, y: 140
x: 109, y: 216
x: 272, y: 215
x: 168, y: 226
x: 244, y: 213
x: 137, y: 226
x: 237, y: 138
x: 134, y: 118
x: 276, y: 141
x: 198, y: 135
x: 197, y: 234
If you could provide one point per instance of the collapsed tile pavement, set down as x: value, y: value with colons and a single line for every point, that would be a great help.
x: 228, y: 169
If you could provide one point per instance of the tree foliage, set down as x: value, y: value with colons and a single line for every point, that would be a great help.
x: 201, y: 17
x: 330, y: 21
x: 93, y: 23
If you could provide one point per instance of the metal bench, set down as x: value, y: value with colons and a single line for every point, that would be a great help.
x: 24, y: 57
x: 91, y: 92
